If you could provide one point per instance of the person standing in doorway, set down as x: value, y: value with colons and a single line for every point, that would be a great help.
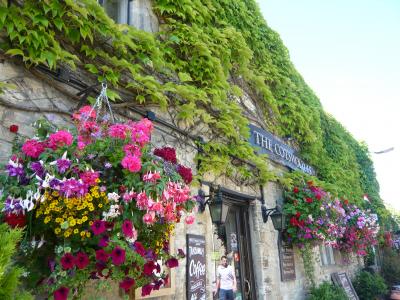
x: 226, y: 280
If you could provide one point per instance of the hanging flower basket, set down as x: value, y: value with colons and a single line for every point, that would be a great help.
x: 96, y: 203
x: 315, y: 217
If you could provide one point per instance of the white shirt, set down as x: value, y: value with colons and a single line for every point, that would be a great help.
x: 226, y: 277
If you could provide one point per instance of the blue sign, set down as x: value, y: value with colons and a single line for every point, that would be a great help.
x: 277, y: 151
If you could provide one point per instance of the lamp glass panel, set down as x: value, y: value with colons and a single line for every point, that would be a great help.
x: 215, y: 211
x: 276, y: 218
x: 224, y: 212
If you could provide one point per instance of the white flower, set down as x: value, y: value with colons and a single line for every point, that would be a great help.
x: 113, y: 196
x: 28, y: 204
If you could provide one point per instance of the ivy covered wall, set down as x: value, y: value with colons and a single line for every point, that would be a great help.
x: 206, y: 53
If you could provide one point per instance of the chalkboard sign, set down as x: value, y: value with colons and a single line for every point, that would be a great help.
x: 342, y: 280
x: 286, y: 259
x: 196, y: 267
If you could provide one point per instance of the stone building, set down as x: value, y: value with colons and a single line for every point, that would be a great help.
x: 252, y: 245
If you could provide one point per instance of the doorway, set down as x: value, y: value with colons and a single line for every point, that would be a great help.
x: 238, y: 248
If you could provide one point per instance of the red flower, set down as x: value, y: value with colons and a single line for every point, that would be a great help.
x: 309, y: 200
x: 102, y: 255
x: 98, y: 227
x: 14, y: 128
x: 118, y: 256
x: 295, y: 190
x: 104, y: 241
x: 127, y: 283
x: 148, y: 268
x: 172, y: 263
x: 293, y: 221
x: 61, y: 293
x: 127, y: 228
x: 298, y: 215
x: 67, y: 261
x: 167, y: 153
x: 186, y: 174
x: 346, y: 202
x: 139, y: 248
x: 146, y: 290
x: 81, y: 260
x: 15, y: 220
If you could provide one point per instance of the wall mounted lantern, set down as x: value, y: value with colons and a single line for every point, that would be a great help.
x: 276, y: 215
x: 218, y: 208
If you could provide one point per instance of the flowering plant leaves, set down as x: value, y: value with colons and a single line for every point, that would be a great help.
x: 100, y: 192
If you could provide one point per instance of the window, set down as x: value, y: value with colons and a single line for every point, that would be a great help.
x: 326, y: 253
x: 118, y: 10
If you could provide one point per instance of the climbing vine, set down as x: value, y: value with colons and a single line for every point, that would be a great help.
x: 205, y: 54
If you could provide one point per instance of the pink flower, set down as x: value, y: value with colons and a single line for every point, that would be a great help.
x: 81, y: 260
x: 59, y: 139
x: 142, y: 201
x: 61, y: 293
x: 98, y: 227
x: 89, y: 177
x: 134, y: 150
x: 118, y: 131
x: 149, y: 218
x: 85, y: 113
x: 118, y: 256
x: 127, y: 283
x: 132, y: 163
x: 157, y: 207
x: 101, y: 255
x: 33, y: 148
x: 189, y: 219
x: 151, y: 177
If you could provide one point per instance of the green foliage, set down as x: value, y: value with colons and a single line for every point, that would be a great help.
x: 203, y: 50
x: 10, y: 274
x: 327, y: 291
x: 369, y: 286
x: 391, y: 266
x: 308, y: 262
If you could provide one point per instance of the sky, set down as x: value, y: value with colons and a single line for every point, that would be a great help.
x: 348, y: 52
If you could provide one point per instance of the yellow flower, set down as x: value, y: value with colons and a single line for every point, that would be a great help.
x: 91, y: 223
x: 79, y: 221
x: 91, y: 208
x: 97, y: 180
x: 88, y: 234
x: 76, y: 230
x: 47, y: 219
x: 84, y: 219
x: 72, y: 222
x: 83, y: 233
x: 67, y: 234
x: 103, y: 194
x: 59, y: 220
x: 54, y: 193
x: 57, y: 230
x: 100, y: 205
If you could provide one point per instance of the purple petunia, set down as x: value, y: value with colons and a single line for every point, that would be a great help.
x: 63, y: 165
